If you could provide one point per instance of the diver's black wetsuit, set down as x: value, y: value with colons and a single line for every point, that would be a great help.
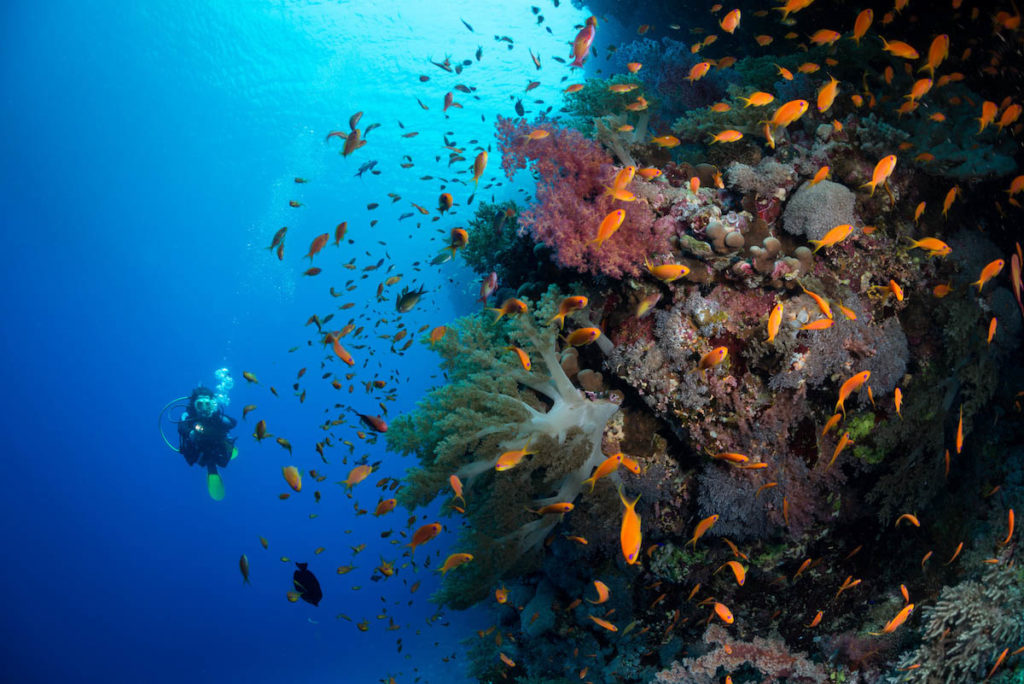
x: 205, y: 440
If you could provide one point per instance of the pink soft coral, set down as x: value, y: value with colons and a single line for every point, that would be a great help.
x: 572, y: 174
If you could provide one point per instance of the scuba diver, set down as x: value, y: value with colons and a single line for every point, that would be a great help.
x: 203, y: 433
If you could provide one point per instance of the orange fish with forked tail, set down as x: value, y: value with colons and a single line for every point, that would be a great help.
x: 423, y: 535
x: 883, y: 169
x: 849, y: 387
x: 609, y: 225
x: 630, y: 536
x: 318, y: 244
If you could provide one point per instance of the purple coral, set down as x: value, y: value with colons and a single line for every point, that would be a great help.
x: 573, y: 173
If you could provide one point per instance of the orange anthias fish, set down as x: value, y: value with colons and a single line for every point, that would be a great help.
x: 737, y: 570
x: 774, y: 321
x: 832, y: 237
x: 713, y: 358
x: 849, y: 387
x: 934, y: 246
x: 566, y: 307
x: 827, y: 94
x: 825, y: 37
x: 723, y: 613
x: 757, y: 99
x: 726, y: 136
x: 702, y: 527
x: 898, y: 48
x: 293, y: 477
x: 607, y: 467
x: 988, y: 114
x: 510, y: 307
x: 424, y: 534
x: 960, y: 431
x: 581, y: 44
x: 990, y: 271
x: 385, y: 506
x: 862, y: 24
x: 583, y: 336
x: 524, y: 358
x: 668, y: 141
x: 602, y: 592
x: 883, y: 169
x: 318, y: 244
x: 479, y: 165
x: 792, y: 6
x: 667, y: 273
x: 510, y: 459
x: 900, y: 618
x: 821, y: 175
x: 1010, y: 115
x: 788, y: 113
x: 623, y: 177
x: 357, y: 475
x: 455, y: 560
x: 630, y: 535
x: 554, y: 509
x: 697, y: 71
x: 609, y: 225
x: 937, y: 52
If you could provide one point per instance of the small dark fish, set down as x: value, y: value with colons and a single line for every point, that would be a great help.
x: 368, y: 166
x: 464, y: 23
x: 370, y: 128
x: 446, y: 65
x: 463, y: 88
x: 531, y: 85
x: 306, y: 583
x: 405, y: 216
x: 421, y: 104
x: 408, y: 299
x: 520, y: 110
x: 559, y: 60
x: 423, y: 78
x: 479, y: 53
x: 278, y: 238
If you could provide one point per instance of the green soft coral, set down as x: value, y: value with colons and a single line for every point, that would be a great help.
x: 489, y: 406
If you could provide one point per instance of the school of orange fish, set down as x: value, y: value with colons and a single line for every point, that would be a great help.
x: 858, y: 27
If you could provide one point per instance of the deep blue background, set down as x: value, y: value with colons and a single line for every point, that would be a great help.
x: 147, y: 156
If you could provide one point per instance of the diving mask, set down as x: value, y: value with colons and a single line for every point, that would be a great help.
x: 206, y: 406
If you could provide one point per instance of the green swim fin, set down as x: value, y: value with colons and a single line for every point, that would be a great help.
x: 215, y: 486
x: 234, y: 453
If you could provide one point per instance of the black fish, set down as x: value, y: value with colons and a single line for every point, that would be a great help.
x: 466, y: 24
x: 519, y: 108
x: 307, y: 584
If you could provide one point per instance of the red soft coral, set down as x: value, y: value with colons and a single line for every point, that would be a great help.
x: 572, y: 174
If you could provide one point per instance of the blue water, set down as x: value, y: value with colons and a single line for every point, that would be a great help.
x: 148, y: 152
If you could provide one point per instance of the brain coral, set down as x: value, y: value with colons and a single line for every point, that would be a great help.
x: 816, y: 209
